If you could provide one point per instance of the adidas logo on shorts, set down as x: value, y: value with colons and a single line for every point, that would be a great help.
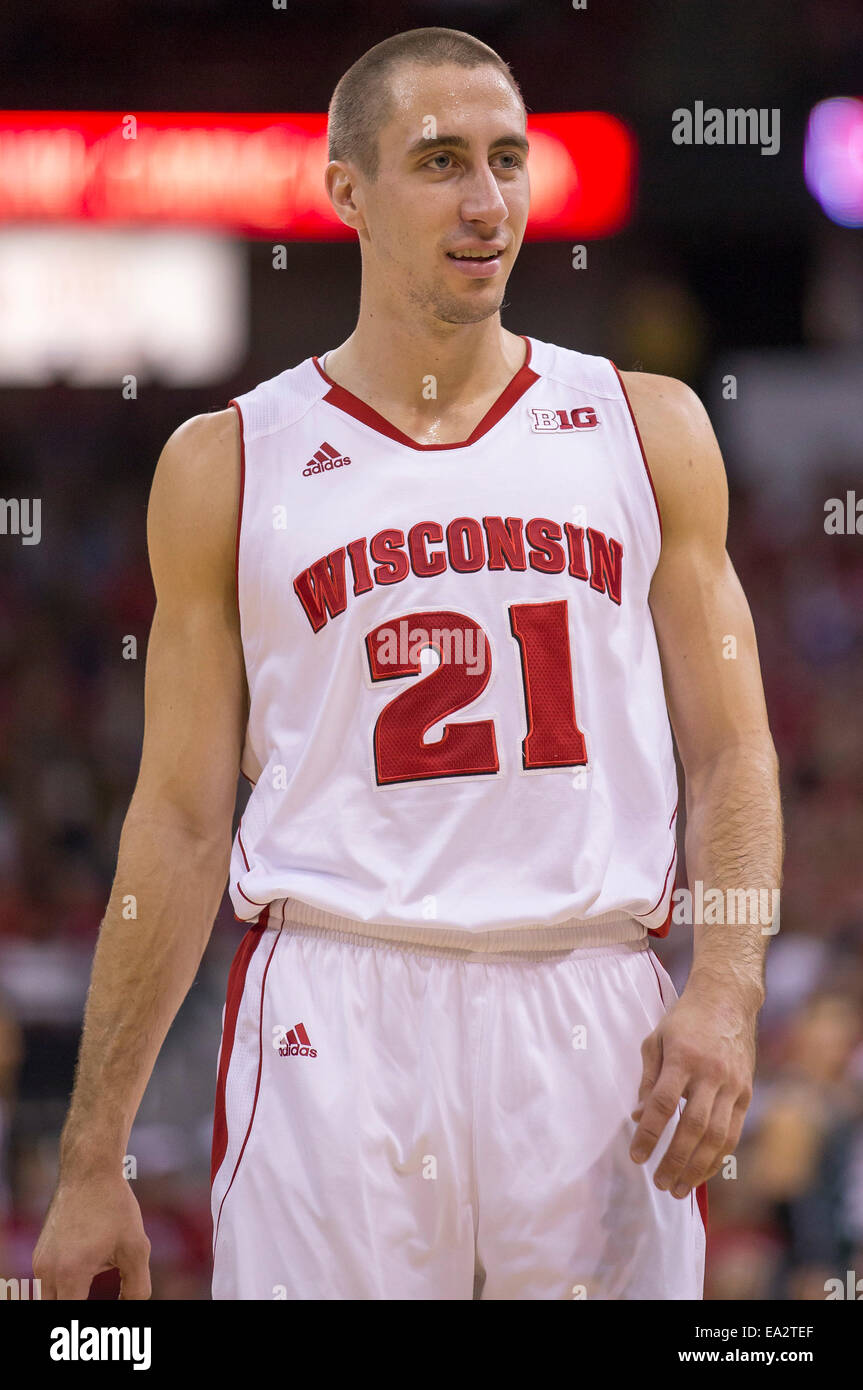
x: 294, y: 1042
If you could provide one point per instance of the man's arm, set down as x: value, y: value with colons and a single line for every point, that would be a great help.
x: 173, y: 856
x: 704, y: 1049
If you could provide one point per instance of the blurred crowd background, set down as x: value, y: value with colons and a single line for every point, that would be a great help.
x: 728, y: 269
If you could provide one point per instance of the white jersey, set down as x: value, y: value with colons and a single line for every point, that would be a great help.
x: 457, y: 731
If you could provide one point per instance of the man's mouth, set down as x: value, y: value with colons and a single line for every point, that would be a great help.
x: 476, y: 265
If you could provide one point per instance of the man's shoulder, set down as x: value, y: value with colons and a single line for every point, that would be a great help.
x: 203, y: 449
x: 215, y: 429
x: 195, y: 494
x: 679, y: 444
x: 664, y: 402
x: 671, y: 419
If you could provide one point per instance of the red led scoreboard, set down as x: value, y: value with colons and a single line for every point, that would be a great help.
x: 262, y: 175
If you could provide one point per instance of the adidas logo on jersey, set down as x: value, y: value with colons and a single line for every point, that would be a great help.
x: 581, y: 417
x: 325, y: 458
x: 293, y: 1042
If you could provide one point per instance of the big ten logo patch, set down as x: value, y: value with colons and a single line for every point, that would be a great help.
x: 580, y: 417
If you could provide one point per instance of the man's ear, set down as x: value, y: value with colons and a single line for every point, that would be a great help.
x: 344, y: 193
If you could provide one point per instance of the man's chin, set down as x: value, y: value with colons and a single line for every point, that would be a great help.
x: 460, y: 311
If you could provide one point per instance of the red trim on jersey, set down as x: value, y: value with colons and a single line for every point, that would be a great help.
x: 236, y: 986
x: 242, y: 493
x: 666, y: 926
x: 237, y: 569
x: 248, y: 899
x: 663, y: 930
x: 664, y: 883
x: 345, y: 400
x: 264, y: 906
x: 242, y: 849
x: 641, y: 447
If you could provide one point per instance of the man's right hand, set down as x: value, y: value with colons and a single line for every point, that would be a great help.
x: 92, y: 1225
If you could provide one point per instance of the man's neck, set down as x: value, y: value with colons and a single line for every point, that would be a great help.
x: 401, y: 372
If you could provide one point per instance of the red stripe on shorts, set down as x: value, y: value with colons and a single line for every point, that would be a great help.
x: 236, y: 985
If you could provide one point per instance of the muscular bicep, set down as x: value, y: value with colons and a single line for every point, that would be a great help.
x: 703, y: 623
x: 195, y: 686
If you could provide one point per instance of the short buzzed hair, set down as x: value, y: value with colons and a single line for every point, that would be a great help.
x: 362, y: 102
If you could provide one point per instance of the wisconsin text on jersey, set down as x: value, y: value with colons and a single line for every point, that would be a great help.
x: 496, y: 545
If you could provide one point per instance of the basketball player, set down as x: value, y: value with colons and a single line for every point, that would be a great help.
x: 437, y: 592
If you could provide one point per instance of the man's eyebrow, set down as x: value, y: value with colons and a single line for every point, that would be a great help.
x: 458, y: 142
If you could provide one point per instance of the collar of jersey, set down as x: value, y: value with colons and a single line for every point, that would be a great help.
x: 345, y: 400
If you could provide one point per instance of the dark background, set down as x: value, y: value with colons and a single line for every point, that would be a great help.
x: 728, y: 265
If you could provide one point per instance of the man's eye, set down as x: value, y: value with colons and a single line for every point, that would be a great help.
x: 517, y: 160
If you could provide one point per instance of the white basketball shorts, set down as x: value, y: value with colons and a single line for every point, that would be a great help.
x: 401, y: 1123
